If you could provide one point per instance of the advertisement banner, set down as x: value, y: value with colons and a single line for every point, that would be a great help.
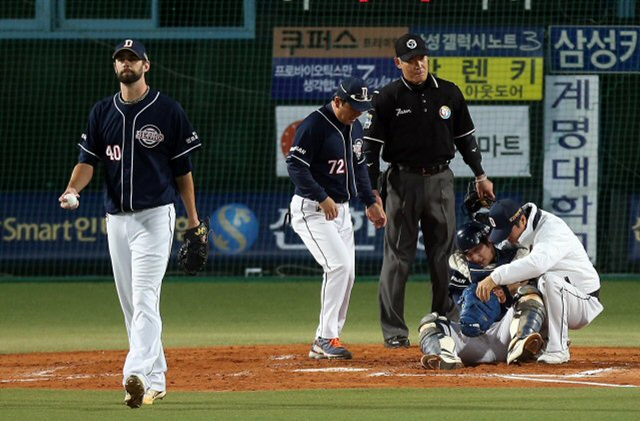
x: 245, y: 227
x: 571, y: 126
x: 594, y: 49
x: 502, y: 133
x: 486, y: 63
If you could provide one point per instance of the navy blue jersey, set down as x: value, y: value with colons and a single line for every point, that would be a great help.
x: 326, y: 159
x: 144, y: 147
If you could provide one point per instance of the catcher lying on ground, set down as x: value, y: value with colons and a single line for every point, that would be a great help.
x: 506, y: 328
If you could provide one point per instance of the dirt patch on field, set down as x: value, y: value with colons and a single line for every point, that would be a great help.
x: 281, y: 367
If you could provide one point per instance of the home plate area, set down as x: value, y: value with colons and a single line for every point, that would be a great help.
x: 269, y: 367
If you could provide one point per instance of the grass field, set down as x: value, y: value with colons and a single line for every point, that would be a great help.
x: 64, y: 316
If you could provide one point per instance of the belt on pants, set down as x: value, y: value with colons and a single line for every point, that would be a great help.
x: 425, y: 171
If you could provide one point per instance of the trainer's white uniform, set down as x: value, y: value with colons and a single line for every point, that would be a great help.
x: 569, y: 283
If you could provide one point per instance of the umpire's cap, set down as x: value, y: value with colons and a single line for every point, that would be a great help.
x: 356, y: 93
x: 410, y: 45
x: 503, y: 215
x: 134, y: 46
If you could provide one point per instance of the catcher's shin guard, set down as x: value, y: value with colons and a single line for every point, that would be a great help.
x: 438, y: 347
x: 529, y: 315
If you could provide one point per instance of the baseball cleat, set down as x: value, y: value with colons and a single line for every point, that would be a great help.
x: 135, y: 389
x: 437, y: 362
x: 330, y: 349
x: 152, y: 395
x: 559, y: 357
x: 524, y: 349
x: 397, y: 342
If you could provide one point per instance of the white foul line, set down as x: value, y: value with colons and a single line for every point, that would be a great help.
x: 509, y: 376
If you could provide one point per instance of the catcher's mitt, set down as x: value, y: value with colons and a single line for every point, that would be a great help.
x: 477, y: 316
x: 194, y: 250
x: 476, y: 208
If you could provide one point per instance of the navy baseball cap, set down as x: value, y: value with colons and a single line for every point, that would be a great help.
x: 356, y: 93
x: 134, y: 46
x: 410, y: 45
x: 503, y: 215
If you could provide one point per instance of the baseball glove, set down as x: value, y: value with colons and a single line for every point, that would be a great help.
x: 194, y: 250
x: 477, y: 316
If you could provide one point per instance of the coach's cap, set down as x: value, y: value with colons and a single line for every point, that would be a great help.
x: 410, y: 45
x: 134, y: 46
x: 503, y: 215
x: 356, y: 93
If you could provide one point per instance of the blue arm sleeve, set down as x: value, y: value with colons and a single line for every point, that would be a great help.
x: 300, y: 158
x: 363, y: 184
x: 301, y: 176
x: 90, y: 143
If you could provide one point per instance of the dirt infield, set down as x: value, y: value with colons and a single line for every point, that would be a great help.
x: 240, y: 368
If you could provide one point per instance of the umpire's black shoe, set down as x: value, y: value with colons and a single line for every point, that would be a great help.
x: 397, y: 342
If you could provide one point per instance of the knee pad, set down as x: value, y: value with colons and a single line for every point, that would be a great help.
x: 435, y: 336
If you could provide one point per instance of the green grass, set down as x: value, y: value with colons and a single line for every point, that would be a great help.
x: 60, y: 316
x: 39, y: 317
x: 375, y: 404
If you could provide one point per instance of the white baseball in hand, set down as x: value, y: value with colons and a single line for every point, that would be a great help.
x: 72, y: 200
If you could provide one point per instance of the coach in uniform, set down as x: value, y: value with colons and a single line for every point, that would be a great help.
x: 327, y: 166
x: 418, y: 121
x: 144, y: 140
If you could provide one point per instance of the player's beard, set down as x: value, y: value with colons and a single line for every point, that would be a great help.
x: 130, y: 77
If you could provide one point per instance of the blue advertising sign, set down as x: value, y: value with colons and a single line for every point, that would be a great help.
x: 482, y: 42
x: 318, y: 78
x: 245, y: 225
x: 594, y: 49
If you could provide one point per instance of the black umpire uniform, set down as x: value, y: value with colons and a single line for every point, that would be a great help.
x: 418, y: 128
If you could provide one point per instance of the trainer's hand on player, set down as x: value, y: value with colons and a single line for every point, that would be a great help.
x: 376, y: 214
x: 329, y: 208
x: 485, y: 288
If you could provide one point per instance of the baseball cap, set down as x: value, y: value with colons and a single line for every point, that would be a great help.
x: 503, y: 215
x: 355, y: 91
x: 134, y: 46
x: 410, y: 45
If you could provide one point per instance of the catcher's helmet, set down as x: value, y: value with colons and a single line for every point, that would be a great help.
x: 471, y: 234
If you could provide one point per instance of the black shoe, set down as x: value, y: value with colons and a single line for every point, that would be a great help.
x: 397, y: 342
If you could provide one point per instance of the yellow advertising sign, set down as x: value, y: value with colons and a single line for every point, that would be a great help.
x: 493, y: 78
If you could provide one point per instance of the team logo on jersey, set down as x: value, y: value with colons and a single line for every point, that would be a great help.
x: 444, y: 112
x: 400, y: 111
x: 192, y: 138
x: 149, y: 136
x: 357, y: 148
x: 367, y: 122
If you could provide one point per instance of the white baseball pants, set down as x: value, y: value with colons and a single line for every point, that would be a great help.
x: 332, y: 245
x: 489, y: 347
x: 140, y: 246
x: 567, y: 308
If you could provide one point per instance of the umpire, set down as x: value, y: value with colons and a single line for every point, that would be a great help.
x: 420, y: 120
